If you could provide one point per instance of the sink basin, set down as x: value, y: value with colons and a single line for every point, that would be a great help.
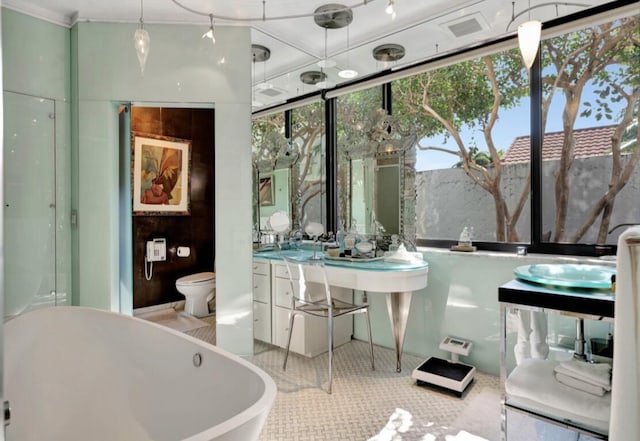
x: 567, y: 275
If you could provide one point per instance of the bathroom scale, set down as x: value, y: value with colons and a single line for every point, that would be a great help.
x: 449, y: 374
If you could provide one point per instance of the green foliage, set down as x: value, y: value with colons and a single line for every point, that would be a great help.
x: 264, y: 127
x: 461, y: 94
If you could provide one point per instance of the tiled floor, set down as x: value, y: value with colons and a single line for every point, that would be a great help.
x: 379, y: 405
x: 367, y: 405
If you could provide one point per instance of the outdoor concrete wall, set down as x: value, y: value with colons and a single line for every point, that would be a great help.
x: 448, y: 200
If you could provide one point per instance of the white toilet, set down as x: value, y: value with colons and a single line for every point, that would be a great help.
x: 198, y: 289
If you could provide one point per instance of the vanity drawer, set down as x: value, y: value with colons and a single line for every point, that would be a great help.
x: 261, y: 288
x: 260, y: 267
x: 280, y: 270
x: 282, y: 290
x: 262, y: 321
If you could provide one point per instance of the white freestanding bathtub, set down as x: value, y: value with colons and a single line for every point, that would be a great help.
x: 74, y: 373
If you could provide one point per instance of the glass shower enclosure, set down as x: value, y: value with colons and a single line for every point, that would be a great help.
x: 33, y: 226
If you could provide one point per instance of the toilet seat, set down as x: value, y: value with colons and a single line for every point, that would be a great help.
x: 197, y: 279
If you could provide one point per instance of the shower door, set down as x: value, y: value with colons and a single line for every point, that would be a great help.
x: 29, y: 204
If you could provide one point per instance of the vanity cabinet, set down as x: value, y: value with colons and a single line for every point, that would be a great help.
x: 271, y: 303
x: 262, y: 301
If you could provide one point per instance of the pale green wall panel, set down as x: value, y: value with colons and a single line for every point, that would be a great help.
x: 36, y: 62
x: 98, y: 176
x: 181, y: 68
x: 234, y: 252
x: 36, y: 55
x: 461, y: 300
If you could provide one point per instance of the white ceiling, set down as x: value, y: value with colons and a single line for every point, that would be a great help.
x: 297, y: 44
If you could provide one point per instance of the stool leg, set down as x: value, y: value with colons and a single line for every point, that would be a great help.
x: 286, y: 354
x: 366, y: 313
x: 330, y: 350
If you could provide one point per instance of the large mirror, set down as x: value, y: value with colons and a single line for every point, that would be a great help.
x: 272, y: 160
x: 376, y: 169
x: 289, y: 170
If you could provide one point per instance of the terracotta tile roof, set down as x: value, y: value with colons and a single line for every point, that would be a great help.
x: 593, y: 141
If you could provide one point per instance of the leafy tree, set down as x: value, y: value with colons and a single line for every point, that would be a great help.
x: 606, y: 55
x: 471, y: 95
x: 306, y: 178
x: 468, y: 95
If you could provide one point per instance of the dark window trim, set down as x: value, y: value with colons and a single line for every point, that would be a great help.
x: 331, y: 164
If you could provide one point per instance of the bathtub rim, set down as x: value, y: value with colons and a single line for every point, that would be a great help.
x: 260, y: 407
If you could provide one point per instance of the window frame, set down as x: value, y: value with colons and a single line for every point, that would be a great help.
x: 535, y: 245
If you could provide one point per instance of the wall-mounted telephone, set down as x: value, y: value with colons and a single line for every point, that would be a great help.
x: 156, y: 250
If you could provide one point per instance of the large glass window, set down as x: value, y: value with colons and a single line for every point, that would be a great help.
x: 471, y: 159
x: 590, y: 173
x: 467, y: 116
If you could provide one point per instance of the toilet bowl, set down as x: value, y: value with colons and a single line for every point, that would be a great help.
x: 198, y: 289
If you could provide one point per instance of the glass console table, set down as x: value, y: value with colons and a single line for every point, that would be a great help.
x: 547, y: 399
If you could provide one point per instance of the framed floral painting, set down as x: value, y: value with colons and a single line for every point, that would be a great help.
x: 161, y: 183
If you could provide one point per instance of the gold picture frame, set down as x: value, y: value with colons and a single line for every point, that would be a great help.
x: 160, y: 173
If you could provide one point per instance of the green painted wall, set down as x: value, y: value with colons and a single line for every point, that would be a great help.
x: 36, y: 63
x: 92, y: 67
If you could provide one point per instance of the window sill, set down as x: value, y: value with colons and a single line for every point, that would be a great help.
x: 511, y: 256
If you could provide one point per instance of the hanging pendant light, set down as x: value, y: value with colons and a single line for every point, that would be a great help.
x: 254, y: 101
x: 348, y: 73
x: 326, y: 63
x: 260, y: 54
x: 529, y: 39
x: 141, y: 41
x: 210, y: 32
x: 265, y: 84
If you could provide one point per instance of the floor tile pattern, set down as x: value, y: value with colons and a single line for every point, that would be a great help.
x: 379, y: 405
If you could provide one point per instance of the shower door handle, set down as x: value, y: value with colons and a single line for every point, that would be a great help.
x: 6, y: 415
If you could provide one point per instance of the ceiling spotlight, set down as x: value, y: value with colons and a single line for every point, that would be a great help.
x: 313, y: 77
x: 391, y: 9
x: 388, y: 52
x: 209, y: 33
x: 347, y: 73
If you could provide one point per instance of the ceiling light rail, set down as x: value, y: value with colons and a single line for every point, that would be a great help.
x: 265, y: 17
x: 515, y: 16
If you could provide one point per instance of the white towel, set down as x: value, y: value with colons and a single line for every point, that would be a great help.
x: 580, y: 385
x: 533, y: 380
x: 403, y: 256
x: 625, y: 395
x: 598, y: 374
